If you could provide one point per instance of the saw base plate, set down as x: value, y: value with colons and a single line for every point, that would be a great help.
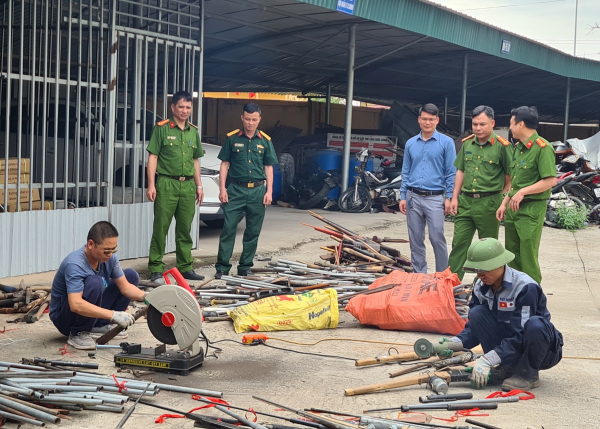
x: 160, y: 359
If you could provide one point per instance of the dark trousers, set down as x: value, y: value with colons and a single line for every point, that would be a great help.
x: 540, y: 349
x: 94, y: 292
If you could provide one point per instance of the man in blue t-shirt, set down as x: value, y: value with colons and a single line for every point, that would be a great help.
x: 90, y: 290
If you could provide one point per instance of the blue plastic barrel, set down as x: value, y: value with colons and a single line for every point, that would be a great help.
x: 327, y: 159
x: 277, y: 182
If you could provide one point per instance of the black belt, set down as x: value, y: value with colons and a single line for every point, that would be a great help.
x: 480, y: 194
x: 424, y: 192
x: 180, y: 178
x: 248, y: 184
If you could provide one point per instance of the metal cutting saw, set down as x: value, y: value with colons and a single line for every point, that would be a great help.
x: 174, y: 317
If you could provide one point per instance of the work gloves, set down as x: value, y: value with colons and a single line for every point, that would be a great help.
x: 144, y: 299
x: 123, y: 319
x: 444, y: 354
x: 481, y: 373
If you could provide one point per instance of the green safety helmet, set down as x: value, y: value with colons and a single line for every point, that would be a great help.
x: 486, y: 254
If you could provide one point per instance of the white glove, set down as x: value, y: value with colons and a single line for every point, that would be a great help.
x: 481, y: 373
x: 123, y: 319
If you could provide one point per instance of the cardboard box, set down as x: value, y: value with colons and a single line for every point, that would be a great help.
x: 12, y: 195
x: 24, y: 207
x: 13, y: 165
x: 12, y: 178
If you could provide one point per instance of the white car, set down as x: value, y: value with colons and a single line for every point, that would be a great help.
x: 211, y: 212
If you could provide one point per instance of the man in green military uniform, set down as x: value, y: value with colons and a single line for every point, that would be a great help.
x: 247, y: 159
x: 482, y: 176
x: 533, y: 174
x: 174, y: 152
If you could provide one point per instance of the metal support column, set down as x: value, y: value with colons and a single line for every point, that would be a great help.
x: 328, y: 105
x: 111, y: 101
x: 567, y: 102
x: 349, y: 97
x: 200, y: 70
x: 463, y: 102
x: 445, y: 110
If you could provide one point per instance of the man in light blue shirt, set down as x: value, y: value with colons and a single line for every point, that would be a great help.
x: 427, y: 184
x: 90, y: 291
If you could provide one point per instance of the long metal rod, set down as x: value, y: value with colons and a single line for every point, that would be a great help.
x: 349, y: 97
x: 8, y: 102
x: 463, y: 102
x: 125, y: 113
x: 132, y: 409
x: 575, y: 30
x: 68, y: 110
x: 78, y: 108
x: 567, y: 103
x: 56, y: 103
x: 328, y: 104
x: 100, y: 110
x: 32, y: 122
x: 236, y: 416
x: 20, y: 107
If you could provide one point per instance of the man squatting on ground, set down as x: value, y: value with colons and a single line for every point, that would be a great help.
x: 509, y: 318
x: 427, y: 184
x: 90, y: 290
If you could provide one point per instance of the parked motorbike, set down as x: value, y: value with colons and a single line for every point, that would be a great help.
x: 560, y: 197
x: 381, y: 188
x: 310, y: 192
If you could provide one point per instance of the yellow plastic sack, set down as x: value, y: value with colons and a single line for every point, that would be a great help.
x: 311, y: 310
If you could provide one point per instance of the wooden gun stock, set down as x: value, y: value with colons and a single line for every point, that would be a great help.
x: 403, y: 382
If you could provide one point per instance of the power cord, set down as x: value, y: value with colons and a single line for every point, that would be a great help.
x: 261, y: 342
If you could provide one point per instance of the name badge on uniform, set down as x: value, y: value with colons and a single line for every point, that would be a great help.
x: 260, y: 146
x: 238, y: 144
x: 468, y: 151
x: 171, y: 137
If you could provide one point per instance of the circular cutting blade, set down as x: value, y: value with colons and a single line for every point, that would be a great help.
x: 423, y: 348
x: 162, y: 333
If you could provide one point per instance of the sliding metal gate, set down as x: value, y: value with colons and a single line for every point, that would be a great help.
x: 81, y: 84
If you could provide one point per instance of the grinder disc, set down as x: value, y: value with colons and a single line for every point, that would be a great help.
x: 162, y: 333
x: 423, y: 348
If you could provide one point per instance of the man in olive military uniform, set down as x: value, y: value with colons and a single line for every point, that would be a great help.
x: 174, y: 152
x: 533, y: 174
x: 481, y: 178
x: 247, y: 159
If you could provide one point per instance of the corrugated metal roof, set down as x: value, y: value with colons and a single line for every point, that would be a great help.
x: 301, y: 46
x: 427, y: 18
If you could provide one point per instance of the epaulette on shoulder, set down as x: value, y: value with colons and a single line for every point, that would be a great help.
x: 541, y: 143
x: 193, y: 125
x: 233, y: 132
x: 503, y: 140
x: 163, y: 122
x: 468, y: 137
x: 265, y: 135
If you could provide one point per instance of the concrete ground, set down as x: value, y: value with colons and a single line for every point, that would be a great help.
x: 568, y: 396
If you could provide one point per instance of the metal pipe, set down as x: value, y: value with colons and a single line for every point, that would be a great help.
x: 80, y: 389
x: 463, y: 103
x: 132, y: 409
x: 192, y: 391
x: 8, y: 101
x: 567, y: 102
x: 201, y: 70
x: 26, y: 381
x: 236, y: 416
x: 32, y: 405
x: 29, y: 410
x: 72, y: 400
x: 21, y: 390
x: 328, y: 104
x: 21, y: 419
x: 349, y: 97
x: 36, y: 374
x: 223, y: 295
x: 105, y: 408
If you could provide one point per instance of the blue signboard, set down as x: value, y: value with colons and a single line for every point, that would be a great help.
x: 346, y: 6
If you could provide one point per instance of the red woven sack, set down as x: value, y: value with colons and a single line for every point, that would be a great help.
x: 418, y: 302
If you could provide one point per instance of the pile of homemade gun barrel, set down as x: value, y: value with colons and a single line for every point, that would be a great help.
x: 40, y: 391
x: 32, y: 300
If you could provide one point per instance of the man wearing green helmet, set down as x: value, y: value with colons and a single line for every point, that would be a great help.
x: 509, y: 318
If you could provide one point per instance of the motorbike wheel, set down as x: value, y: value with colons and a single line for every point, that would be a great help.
x: 309, y: 203
x: 347, y: 204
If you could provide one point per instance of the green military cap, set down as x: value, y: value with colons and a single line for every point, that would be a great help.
x: 486, y: 254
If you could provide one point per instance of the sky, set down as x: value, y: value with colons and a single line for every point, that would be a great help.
x: 551, y: 22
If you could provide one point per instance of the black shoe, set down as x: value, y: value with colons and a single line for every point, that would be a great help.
x: 219, y: 274
x: 499, y: 374
x: 192, y: 275
x: 244, y: 273
x: 155, y: 276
